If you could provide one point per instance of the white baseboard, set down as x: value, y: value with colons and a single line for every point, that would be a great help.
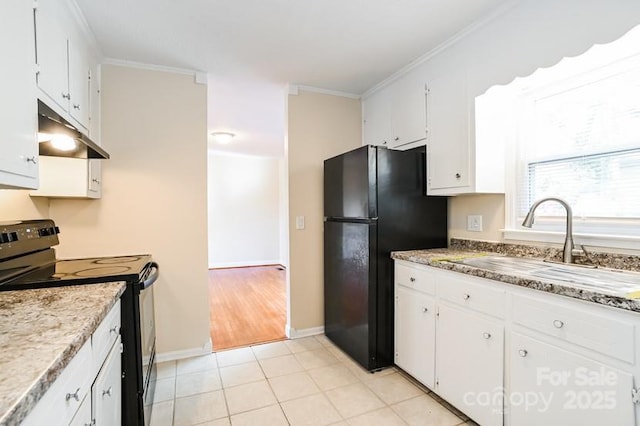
x: 246, y: 263
x: 292, y: 333
x: 206, y: 349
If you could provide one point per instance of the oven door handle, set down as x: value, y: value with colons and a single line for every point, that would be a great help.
x: 153, y: 276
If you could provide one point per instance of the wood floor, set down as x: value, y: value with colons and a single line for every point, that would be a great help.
x: 248, y: 306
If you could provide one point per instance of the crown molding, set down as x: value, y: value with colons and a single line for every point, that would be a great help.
x: 476, y: 25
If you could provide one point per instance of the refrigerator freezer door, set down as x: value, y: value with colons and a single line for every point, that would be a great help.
x: 350, y: 184
x: 350, y: 288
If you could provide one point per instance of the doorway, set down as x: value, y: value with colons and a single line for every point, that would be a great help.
x: 247, y: 246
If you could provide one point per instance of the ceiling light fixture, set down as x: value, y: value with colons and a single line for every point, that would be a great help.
x: 222, y: 137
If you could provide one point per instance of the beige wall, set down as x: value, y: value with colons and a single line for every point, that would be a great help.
x: 154, y: 197
x: 320, y: 126
x: 489, y: 206
x: 244, y: 210
x: 17, y: 204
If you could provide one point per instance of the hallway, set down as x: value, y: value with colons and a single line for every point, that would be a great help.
x: 247, y: 305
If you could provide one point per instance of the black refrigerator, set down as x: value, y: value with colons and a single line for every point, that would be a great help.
x: 374, y: 203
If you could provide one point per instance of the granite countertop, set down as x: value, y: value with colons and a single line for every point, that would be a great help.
x: 40, y: 332
x: 442, y: 258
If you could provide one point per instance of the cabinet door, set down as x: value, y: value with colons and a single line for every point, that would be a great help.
x: 469, y: 363
x: 448, y: 132
x: 408, y: 115
x: 552, y: 386
x: 18, y: 107
x: 94, y: 101
x: 106, y: 390
x: 79, y: 69
x: 377, y: 118
x: 415, y: 334
x: 95, y: 179
x: 51, y: 53
x: 83, y: 416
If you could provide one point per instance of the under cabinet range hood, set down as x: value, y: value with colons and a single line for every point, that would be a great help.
x: 59, y: 138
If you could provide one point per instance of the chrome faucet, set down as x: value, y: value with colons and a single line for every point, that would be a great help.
x: 568, y: 250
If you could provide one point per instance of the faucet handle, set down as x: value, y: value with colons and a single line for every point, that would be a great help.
x: 579, y: 252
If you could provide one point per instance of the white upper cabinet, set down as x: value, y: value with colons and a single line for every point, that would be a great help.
x: 464, y: 157
x: 376, y: 113
x: 18, y: 106
x: 63, y: 62
x: 394, y: 115
x: 62, y: 177
x: 79, y: 82
x: 448, y: 144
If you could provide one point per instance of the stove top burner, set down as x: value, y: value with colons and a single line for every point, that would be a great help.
x: 120, y: 259
x: 105, y: 270
x: 79, y: 271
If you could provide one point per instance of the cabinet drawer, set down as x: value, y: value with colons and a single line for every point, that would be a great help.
x: 104, y: 337
x: 473, y: 294
x: 60, y: 403
x: 573, y: 324
x: 415, y: 278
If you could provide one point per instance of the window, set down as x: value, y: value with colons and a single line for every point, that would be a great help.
x: 576, y: 133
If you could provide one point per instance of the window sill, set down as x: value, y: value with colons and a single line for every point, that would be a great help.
x: 626, y: 243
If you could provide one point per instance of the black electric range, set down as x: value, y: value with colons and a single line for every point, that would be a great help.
x: 28, y: 261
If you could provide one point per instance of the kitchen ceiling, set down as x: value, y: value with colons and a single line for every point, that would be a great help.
x: 340, y: 45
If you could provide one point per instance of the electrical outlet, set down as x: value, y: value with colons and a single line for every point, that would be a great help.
x: 474, y: 223
x: 299, y: 222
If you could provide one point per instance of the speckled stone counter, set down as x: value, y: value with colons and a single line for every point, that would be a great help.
x: 40, y: 332
x: 459, y: 249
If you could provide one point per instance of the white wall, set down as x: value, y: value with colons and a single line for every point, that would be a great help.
x: 154, y: 196
x: 244, y: 210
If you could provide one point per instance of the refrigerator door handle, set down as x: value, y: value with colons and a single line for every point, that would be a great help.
x: 351, y: 219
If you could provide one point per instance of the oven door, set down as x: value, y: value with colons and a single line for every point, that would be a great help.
x: 148, y: 335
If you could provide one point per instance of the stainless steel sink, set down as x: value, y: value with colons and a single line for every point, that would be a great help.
x: 609, y: 281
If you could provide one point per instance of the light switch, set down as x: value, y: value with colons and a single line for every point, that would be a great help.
x: 299, y: 222
x: 474, y: 223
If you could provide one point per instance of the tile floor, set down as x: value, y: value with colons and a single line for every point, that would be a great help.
x: 305, y: 381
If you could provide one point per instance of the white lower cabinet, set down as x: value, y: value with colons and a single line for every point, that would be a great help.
x: 88, y: 391
x: 506, y: 355
x: 83, y: 415
x: 550, y: 385
x: 470, y: 349
x: 415, y: 316
x: 105, y: 392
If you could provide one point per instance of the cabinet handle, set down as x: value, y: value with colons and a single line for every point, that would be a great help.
x: 486, y: 335
x: 466, y: 296
x: 66, y: 96
x: 107, y: 392
x: 458, y: 176
x: 396, y: 138
x: 412, y: 279
x: 557, y: 323
x: 74, y: 395
x: 30, y: 159
x: 93, y: 422
x: 384, y: 142
x: 113, y: 329
x: 76, y: 106
x: 425, y: 310
x: 523, y: 352
x: 95, y: 180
